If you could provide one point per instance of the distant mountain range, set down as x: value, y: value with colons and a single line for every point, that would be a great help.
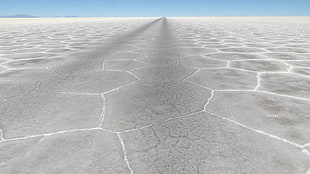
x: 19, y: 16
x: 30, y: 16
x: 65, y: 16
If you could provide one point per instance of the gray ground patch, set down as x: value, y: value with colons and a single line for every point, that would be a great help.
x: 302, y: 71
x: 282, y: 116
x: 123, y: 65
x: 242, y: 49
x: 2, y: 68
x: 260, y: 65
x: 224, y: 79
x: 206, y: 144
x: 2, y: 60
x: 126, y: 55
x: 201, y: 62
x: 164, y: 73
x: 26, y: 111
x: 287, y: 56
x: 234, y: 56
x: 96, y: 82
x: 197, y: 51
x: 294, y: 50
x: 29, y: 56
x: 35, y: 63
x: 302, y: 63
x: 287, y: 84
x: 76, y: 152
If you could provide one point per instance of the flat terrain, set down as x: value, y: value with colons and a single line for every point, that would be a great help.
x: 155, y: 95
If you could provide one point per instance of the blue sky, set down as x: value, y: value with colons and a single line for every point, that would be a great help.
x: 85, y: 8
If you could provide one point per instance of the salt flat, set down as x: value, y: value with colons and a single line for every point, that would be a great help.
x: 155, y: 95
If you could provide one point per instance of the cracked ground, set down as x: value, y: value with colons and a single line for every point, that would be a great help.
x: 155, y: 95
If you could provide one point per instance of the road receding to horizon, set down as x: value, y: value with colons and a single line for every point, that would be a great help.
x: 155, y: 95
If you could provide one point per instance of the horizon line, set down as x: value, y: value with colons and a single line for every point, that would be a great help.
x: 144, y: 16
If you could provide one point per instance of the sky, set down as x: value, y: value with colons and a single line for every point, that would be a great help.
x: 156, y: 8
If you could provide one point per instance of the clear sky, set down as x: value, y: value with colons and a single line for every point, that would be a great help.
x: 94, y: 8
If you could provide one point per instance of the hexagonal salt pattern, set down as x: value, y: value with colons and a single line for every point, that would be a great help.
x: 155, y: 95
x: 146, y: 103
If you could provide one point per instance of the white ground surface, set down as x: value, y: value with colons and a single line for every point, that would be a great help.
x: 155, y: 95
